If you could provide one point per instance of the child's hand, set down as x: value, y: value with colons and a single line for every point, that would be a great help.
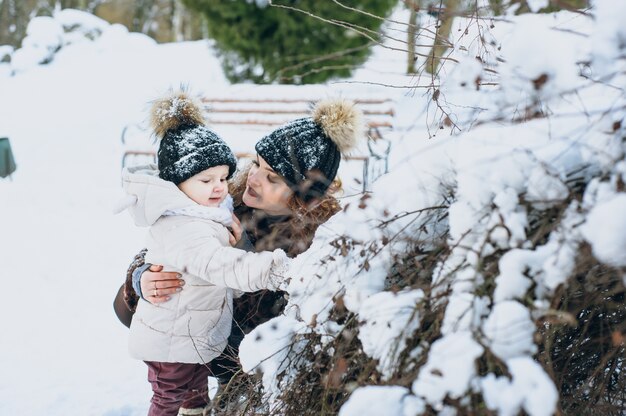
x: 236, y: 231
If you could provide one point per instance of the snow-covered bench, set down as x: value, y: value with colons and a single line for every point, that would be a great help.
x: 243, y: 118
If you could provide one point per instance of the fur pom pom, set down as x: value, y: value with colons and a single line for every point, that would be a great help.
x: 173, y: 111
x: 341, y: 121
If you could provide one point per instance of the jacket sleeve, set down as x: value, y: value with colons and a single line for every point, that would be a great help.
x: 195, y: 247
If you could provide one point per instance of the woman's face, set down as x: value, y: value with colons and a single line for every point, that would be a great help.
x: 266, y: 190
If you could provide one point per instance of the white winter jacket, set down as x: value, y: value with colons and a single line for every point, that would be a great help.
x: 193, y: 326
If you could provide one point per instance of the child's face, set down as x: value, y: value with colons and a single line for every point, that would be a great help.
x: 208, y: 188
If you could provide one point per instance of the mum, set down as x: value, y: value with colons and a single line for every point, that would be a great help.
x: 281, y: 200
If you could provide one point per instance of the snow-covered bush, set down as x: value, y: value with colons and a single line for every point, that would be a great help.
x: 46, y: 36
x: 496, y: 283
x: 5, y: 53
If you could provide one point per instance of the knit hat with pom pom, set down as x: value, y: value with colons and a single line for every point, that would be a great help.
x: 306, y: 152
x: 187, y: 146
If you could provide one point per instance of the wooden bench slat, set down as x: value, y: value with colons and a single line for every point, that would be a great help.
x: 291, y: 100
x: 371, y: 124
x: 286, y: 111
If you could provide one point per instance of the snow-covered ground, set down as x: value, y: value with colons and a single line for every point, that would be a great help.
x: 63, y: 254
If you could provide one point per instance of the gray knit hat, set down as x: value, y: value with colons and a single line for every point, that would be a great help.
x: 187, y: 146
x: 306, y: 152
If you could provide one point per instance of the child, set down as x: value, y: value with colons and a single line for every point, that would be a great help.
x: 188, y: 208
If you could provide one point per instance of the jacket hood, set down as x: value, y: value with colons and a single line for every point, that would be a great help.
x: 154, y: 196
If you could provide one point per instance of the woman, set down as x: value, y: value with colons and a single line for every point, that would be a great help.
x: 281, y: 200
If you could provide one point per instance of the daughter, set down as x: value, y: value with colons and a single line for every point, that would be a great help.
x: 187, y: 206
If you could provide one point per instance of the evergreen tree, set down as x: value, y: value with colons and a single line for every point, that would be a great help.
x: 292, y: 41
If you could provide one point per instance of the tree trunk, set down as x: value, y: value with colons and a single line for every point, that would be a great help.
x: 411, y: 35
x: 178, y: 27
x: 496, y: 7
x: 14, y: 18
x: 443, y: 33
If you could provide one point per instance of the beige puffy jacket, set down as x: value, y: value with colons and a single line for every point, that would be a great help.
x: 193, y: 326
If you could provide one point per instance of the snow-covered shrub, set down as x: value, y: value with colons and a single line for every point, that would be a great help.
x: 46, y: 36
x: 79, y: 25
x: 485, y: 273
x: 5, y: 53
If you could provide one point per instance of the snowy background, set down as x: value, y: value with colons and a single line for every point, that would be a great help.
x: 63, y: 254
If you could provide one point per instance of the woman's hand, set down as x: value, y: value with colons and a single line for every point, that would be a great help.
x: 236, y: 229
x: 157, y: 285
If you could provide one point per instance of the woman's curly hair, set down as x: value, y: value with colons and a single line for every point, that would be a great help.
x: 296, y: 234
x: 131, y: 298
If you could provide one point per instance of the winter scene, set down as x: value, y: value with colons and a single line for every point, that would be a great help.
x: 348, y: 207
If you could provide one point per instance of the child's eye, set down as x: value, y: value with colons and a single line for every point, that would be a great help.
x: 255, y: 163
x: 272, y: 179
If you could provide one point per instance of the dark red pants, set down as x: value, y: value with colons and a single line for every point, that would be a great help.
x: 176, y: 385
